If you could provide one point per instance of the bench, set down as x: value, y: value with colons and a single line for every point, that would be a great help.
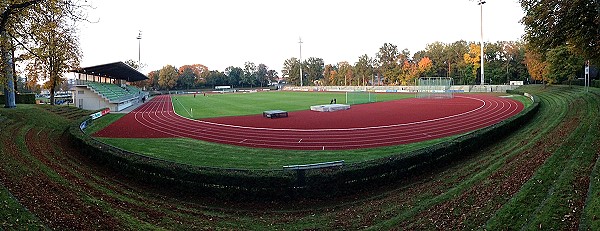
x: 314, y: 166
x: 275, y: 114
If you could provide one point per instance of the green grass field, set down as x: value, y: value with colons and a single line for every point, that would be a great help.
x: 201, y: 153
x: 218, y: 105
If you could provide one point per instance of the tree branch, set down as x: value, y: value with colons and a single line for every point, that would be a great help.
x: 12, y: 9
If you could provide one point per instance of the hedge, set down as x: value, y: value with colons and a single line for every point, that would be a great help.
x: 243, y: 184
x: 21, y: 98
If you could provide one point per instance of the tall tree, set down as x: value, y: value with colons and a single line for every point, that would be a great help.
x: 10, y: 12
x: 55, y: 49
x: 292, y: 66
x: 314, y: 69
x: 261, y: 74
x: 456, y: 66
x: 536, y: 66
x: 167, y: 77
x: 472, y: 59
x: 200, y: 72
x: 234, y: 76
x: 563, y: 64
x: 217, y: 78
x: 387, y: 59
x: 345, y: 73
x: 152, y: 82
x: 330, y: 74
x: 364, y: 69
x: 550, y: 24
x: 249, y: 76
x: 438, y: 53
x: 186, y: 78
x: 272, y: 75
x: 20, y: 21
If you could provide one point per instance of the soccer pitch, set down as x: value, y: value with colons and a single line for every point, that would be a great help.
x: 238, y: 104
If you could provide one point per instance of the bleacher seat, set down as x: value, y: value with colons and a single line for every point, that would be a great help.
x: 113, y: 92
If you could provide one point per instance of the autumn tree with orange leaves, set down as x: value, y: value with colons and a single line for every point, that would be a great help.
x: 472, y: 59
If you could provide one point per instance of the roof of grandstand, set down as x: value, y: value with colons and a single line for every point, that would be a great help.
x: 117, y: 70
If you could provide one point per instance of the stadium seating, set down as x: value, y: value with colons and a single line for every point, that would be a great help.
x: 114, y: 93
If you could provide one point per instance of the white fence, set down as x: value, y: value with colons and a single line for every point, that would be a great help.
x: 407, y: 89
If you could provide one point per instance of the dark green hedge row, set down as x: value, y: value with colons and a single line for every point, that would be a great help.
x: 21, y: 99
x: 243, y: 184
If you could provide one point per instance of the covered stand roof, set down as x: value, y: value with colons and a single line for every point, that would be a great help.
x: 118, y: 70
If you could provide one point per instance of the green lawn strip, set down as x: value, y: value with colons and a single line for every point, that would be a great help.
x: 582, y: 147
x: 40, y: 167
x: 36, y: 163
x: 275, y: 221
x: 127, y: 219
x: 202, y: 153
x: 255, y: 103
x: 590, y: 219
x: 14, y: 216
x: 102, y: 122
x: 134, y: 219
x: 193, y: 218
x: 490, y: 159
x: 533, y: 194
x: 14, y: 168
x: 526, y: 101
x: 425, y: 203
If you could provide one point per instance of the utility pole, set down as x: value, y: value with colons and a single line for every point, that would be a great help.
x: 139, y: 38
x: 300, y: 42
x: 481, y: 2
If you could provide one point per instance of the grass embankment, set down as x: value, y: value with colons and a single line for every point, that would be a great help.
x: 18, y: 165
x: 544, y: 174
x: 201, y: 153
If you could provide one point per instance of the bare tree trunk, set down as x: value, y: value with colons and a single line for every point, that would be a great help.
x: 9, y: 89
x: 14, y: 68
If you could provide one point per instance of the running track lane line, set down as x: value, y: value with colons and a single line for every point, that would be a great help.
x: 158, y: 115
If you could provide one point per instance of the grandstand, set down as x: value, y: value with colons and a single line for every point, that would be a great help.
x: 105, y: 86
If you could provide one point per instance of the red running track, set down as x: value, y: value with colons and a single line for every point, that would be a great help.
x: 363, y: 126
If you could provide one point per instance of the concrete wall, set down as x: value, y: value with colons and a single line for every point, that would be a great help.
x: 87, y: 99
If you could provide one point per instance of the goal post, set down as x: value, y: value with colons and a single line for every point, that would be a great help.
x: 434, y: 88
x: 360, y: 97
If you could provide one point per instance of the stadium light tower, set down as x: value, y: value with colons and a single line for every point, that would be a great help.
x: 300, y: 42
x: 139, y: 38
x: 480, y: 3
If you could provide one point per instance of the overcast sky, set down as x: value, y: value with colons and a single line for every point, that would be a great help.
x: 222, y: 33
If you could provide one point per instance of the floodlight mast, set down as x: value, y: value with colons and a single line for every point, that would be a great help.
x: 480, y: 3
x: 139, y: 38
x: 300, y: 42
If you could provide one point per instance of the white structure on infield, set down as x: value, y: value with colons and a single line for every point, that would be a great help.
x: 329, y: 107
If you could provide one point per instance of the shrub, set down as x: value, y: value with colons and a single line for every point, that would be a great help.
x: 21, y: 98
